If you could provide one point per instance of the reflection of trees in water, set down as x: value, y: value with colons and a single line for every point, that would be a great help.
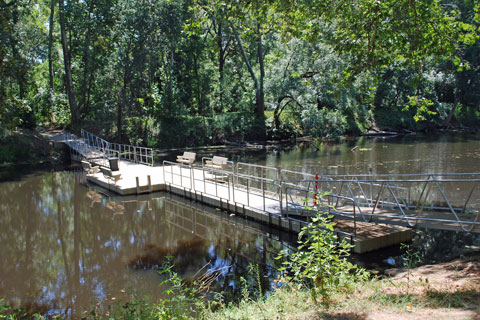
x: 61, y: 250
x: 58, y: 251
x: 232, y: 246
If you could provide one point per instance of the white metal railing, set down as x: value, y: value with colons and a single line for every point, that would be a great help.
x: 302, y: 202
x: 412, y: 199
x: 444, y: 199
x: 250, y: 192
x: 258, y: 171
x: 436, y: 200
x: 126, y: 152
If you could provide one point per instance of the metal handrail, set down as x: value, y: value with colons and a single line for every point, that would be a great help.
x: 391, y: 195
x: 412, y: 197
x: 223, y: 186
x: 264, y: 169
x: 136, y: 154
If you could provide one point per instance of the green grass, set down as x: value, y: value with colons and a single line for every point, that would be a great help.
x: 294, y: 302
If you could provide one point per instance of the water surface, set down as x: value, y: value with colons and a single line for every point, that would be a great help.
x: 65, y: 246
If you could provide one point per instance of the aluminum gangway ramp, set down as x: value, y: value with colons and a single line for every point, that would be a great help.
x: 447, y: 201
x: 97, y: 150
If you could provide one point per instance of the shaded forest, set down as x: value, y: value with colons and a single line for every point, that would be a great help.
x: 193, y: 72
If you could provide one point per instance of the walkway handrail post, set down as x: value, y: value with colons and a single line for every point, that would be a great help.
x: 248, y: 192
x: 281, y: 197
x: 354, y: 220
x: 192, y: 178
x: 263, y: 194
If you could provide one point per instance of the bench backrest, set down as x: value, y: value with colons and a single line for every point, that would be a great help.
x: 189, y: 155
x: 86, y: 165
x: 220, y: 161
x: 106, y: 171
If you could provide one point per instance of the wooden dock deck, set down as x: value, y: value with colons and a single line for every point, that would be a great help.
x: 214, y: 189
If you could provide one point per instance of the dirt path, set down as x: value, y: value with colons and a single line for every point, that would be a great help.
x: 449, y: 290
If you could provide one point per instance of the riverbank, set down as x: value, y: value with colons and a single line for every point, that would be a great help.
x: 449, y: 290
x: 27, y: 147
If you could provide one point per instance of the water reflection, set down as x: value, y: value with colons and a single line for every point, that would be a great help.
x: 393, y: 155
x: 65, y: 247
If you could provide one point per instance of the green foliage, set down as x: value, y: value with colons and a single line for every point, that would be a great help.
x: 330, y: 124
x: 320, y: 263
x: 169, y: 73
x: 423, y: 107
x: 467, y: 115
x: 289, y: 128
x: 179, y: 301
x: 15, y: 148
x: 198, y: 130
x: 7, y: 313
x: 410, y: 258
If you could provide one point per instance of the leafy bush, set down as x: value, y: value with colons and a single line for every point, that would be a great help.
x: 289, y: 128
x: 198, y: 130
x: 15, y: 148
x: 179, y: 301
x: 330, y: 124
x: 321, y: 262
x: 8, y: 313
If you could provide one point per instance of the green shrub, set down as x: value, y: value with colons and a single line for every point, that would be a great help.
x: 14, y: 149
x: 324, y: 123
x: 321, y: 264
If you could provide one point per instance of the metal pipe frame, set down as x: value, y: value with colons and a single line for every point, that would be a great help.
x: 136, y: 154
x: 401, y: 198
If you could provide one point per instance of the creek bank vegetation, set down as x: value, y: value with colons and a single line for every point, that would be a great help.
x: 27, y: 147
x: 193, y: 72
x: 318, y: 283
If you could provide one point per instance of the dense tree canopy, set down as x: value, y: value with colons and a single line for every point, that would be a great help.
x: 163, y: 73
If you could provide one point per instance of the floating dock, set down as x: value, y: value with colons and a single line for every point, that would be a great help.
x: 372, y: 211
x: 213, y: 189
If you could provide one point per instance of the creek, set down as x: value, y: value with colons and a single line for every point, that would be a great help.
x: 66, y: 245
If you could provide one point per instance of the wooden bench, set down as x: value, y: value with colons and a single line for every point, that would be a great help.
x: 187, y: 158
x: 218, y: 163
x: 88, y: 167
x: 112, y: 175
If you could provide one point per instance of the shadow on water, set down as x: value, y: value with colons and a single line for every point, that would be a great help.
x: 66, y: 246
x: 432, y: 246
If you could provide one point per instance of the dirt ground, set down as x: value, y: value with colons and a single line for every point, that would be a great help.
x: 450, y: 290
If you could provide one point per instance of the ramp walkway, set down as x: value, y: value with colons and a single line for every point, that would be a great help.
x: 447, y: 201
x: 98, y: 150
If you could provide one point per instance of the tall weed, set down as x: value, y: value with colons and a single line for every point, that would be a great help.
x: 321, y: 264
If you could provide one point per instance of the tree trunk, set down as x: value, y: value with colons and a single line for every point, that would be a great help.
x: 259, y: 94
x: 20, y: 70
x: 446, y: 124
x: 278, y: 111
x: 86, y: 62
x: 50, y: 45
x: 50, y: 61
x: 121, y: 103
x: 123, y: 99
x: 74, y: 110
x: 222, y: 57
